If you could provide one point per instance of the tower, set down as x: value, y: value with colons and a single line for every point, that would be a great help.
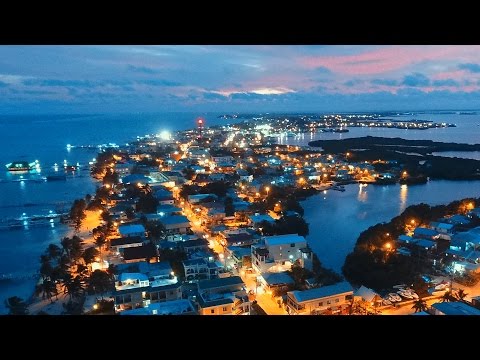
x: 200, y: 126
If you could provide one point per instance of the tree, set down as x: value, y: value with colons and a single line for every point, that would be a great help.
x: 66, y: 244
x: 419, y: 305
x: 48, y: 288
x: 89, y: 255
x: 147, y: 204
x: 100, y: 282
x: 77, y: 212
x: 448, y: 296
x: 229, y: 208
x: 73, y: 286
x: 189, y: 173
x: 54, y: 251
x: 461, y: 294
x: 16, y: 306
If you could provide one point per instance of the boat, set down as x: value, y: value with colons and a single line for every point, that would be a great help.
x: 386, y: 302
x: 405, y: 294
x: 394, y: 297
x: 401, y: 286
x: 441, y: 286
x: 340, y: 130
x: 21, y: 166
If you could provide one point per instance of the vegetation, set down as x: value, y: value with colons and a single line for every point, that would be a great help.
x: 285, y: 225
x: 77, y: 212
x: 419, y: 305
x: 229, y: 208
x: 373, y: 264
x: 175, y: 257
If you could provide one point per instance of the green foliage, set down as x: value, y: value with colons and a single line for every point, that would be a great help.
x: 89, y: 255
x: 147, y: 204
x: 286, y: 225
x: 175, y: 257
x: 100, y: 282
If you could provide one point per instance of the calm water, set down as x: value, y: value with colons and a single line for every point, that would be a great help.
x: 44, y: 138
x: 337, y: 218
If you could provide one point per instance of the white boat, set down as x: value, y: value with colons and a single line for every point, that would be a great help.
x: 394, y: 297
x: 402, y: 286
x: 415, y: 296
x: 405, y: 294
x: 386, y: 302
x: 441, y: 286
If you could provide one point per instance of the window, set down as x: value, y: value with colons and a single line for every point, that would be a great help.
x: 212, y: 311
x: 320, y: 303
x: 292, y: 245
x: 328, y: 302
x: 337, y: 300
x: 224, y: 309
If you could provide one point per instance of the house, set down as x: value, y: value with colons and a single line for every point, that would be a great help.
x: 125, y: 242
x: 425, y: 233
x: 257, y: 220
x: 131, y: 230
x: 164, y: 197
x: 240, y: 237
x: 244, y: 176
x: 223, y: 296
x: 172, y: 307
x: 467, y: 240
x: 198, y: 198
x: 453, y: 308
x: 334, y: 298
x: 136, y: 179
x: 280, y: 251
x: 200, y: 269
x: 368, y: 295
x: 191, y: 246
x: 146, y: 252
x: 131, y: 280
x: 176, y: 224
x: 240, y: 255
x: 441, y: 227
x: 272, y: 282
x: 138, y: 297
x: 458, y: 220
x: 168, y: 210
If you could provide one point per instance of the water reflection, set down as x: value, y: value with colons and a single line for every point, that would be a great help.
x: 403, y: 197
x: 362, y: 193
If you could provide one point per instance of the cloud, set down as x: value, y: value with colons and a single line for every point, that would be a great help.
x: 416, y: 80
x: 445, y: 82
x: 385, y: 82
x: 159, y: 82
x: 56, y: 82
x: 474, y: 68
x: 141, y: 69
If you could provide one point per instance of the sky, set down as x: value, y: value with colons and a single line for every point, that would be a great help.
x: 237, y: 78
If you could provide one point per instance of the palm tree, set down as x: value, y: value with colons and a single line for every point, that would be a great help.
x: 73, y: 286
x: 66, y: 243
x: 461, y: 294
x: 100, y: 241
x: 100, y: 282
x: 48, y: 289
x: 447, y: 297
x: 54, y: 251
x: 16, y: 306
x: 419, y: 305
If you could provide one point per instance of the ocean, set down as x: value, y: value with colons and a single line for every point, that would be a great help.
x: 45, y: 138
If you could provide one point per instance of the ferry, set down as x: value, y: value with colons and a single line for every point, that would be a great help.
x: 18, y: 166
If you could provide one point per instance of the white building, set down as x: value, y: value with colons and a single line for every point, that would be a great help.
x: 278, y: 253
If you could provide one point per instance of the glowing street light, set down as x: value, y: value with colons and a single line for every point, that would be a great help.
x: 412, y: 222
x: 388, y: 246
x: 267, y: 189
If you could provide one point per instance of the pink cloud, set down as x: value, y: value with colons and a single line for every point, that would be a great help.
x: 390, y: 58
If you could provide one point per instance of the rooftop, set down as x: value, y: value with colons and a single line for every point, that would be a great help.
x: 174, y: 307
x: 280, y: 278
x: 284, y: 239
x: 131, y: 229
x: 126, y: 241
x: 174, y: 219
x: 321, y: 292
x: 140, y: 252
x: 456, y: 308
x: 221, y: 282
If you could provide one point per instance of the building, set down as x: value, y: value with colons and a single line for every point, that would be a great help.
x: 326, y: 299
x: 137, y: 297
x: 273, y: 282
x: 176, y: 224
x: 201, y: 269
x: 280, y: 251
x: 125, y: 242
x: 131, y: 230
x: 168, y: 210
x: 368, y: 295
x: 453, y: 308
x: 224, y: 296
x: 198, y: 198
x: 147, y: 252
x: 192, y: 246
x: 172, y: 307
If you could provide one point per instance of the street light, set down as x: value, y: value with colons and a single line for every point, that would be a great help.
x: 267, y: 189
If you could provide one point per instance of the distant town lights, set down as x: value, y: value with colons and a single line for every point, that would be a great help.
x: 165, y: 135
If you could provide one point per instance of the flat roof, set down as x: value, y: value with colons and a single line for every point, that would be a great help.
x: 173, y: 307
x: 140, y: 252
x: 284, y: 239
x: 174, y: 219
x: 132, y: 276
x: 220, y: 282
x: 456, y: 308
x: 321, y: 292
x: 126, y: 241
x: 277, y: 278
x: 131, y: 229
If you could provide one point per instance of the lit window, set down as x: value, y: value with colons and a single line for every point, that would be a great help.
x: 212, y: 311
x: 224, y: 309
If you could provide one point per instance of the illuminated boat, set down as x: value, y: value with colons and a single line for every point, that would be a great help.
x: 17, y: 166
